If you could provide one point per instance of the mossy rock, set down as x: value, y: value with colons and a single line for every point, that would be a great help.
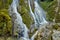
x: 5, y: 23
x: 26, y: 17
x: 50, y: 8
x: 56, y: 26
x: 24, y: 11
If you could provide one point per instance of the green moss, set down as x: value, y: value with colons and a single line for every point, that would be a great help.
x: 56, y: 26
x: 44, y: 4
x: 5, y: 4
x: 58, y: 18
x: 25, y: 15
x: 50, y: 8
x: 24, y: 11
x: 5, y: 22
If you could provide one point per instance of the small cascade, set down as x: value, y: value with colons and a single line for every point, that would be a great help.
x: 31, y: 13
x: 39, y: 14
x: 39, y: 17
x: 18, y: 22
x: 32, y: 17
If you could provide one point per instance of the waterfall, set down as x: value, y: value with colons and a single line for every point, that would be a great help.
x: 39, y: 17
x: 32, y: 17
x: 18, y: 22
x: 31, y: 13
x: 39, y: 14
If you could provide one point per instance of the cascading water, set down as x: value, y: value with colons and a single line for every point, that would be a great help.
x: 39, y: 14
x: 33, y: 17
x: 22, y: 29
x: 39, y: 17
x: 31, y: 13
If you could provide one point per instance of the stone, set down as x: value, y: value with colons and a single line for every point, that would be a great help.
x: 56, y: 35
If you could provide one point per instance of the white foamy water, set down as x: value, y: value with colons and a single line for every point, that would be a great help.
x: 22, y: 29
x: 40, y: 14
x: 39, y: 17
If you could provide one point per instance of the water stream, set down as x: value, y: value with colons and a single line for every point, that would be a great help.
x: 39, y: 17
x: 22, y: 29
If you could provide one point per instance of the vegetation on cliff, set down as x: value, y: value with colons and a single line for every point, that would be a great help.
x: 51, y: 8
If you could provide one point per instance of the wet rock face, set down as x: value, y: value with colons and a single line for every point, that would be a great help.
x: 48, y: 33
x: 56, y: 35
x: 45, y: 34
